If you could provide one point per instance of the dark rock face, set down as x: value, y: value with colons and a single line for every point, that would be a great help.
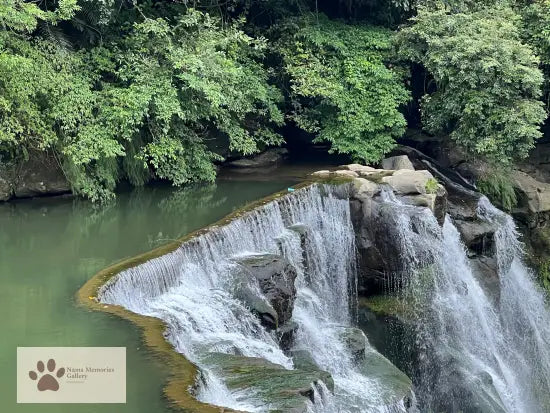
x: 377, y: 225
x: 274, y: 276
x: 372, y: 265
x: 477, y: 234
x: 266, y: 160
x: 5, y: 189
x: 487, y: 267
x: 38, y: 176
x: 377, y: 237
x: 286, y: 335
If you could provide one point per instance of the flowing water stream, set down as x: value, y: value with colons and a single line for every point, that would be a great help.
x: 480, y: 348
x: 192, y: 290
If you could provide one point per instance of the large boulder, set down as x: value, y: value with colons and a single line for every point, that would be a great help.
x: 355, y: 340
x: 476, y: 233
x: 266, y: 285
x: 377, y: 237
x: 268, y: 159
x: 437, y: 202
x: 397, y: 162
x: 533, y: 197
x: 39, y: 175
x: 407, y: 182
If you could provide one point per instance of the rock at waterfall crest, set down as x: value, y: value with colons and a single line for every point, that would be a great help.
x: 376, y: 238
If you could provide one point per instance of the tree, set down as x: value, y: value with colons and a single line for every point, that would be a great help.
x: 536, y: 32
x: 141, y: 105
x: 340, y: 87
x: 487, y: 81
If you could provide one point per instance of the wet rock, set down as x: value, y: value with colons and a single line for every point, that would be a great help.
x: 286, y: 335
x: 273, y: 276
x: 461, y: 206
x: 356, y: 341
x: 478, y: 236
x: 302, y: 359
x: 268, y: 159
x: 372, y: 264
x: 397, y: 162
x: 277, y: 388
x: 486, y: 269
x: 397, y: 389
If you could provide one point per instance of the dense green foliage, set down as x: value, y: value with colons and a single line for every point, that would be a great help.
x: 340, y: 88
x: 499, y: 189
x: 536, y: 32
x: 488, y: 83
x: 140, y: 90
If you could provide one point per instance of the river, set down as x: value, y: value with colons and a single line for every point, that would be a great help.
x: 50, y: 246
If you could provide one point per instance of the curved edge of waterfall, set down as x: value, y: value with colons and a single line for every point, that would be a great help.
x: 183, y: 386
x: 183, y: 373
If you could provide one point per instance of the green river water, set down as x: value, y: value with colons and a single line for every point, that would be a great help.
x: 49, y: 247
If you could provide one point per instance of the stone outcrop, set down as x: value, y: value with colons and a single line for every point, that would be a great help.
x: 376, y: 241
x: 397, y: 389
x: 376, y: 238
x: 265, y: 160
x: 407, y: 182
x: 397, y: 162
x: 533, y: 199
x: 266, y: 285
x: 38, y: 176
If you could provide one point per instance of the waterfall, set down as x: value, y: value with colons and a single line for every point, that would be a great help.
x: 193, y: 290
x: 478, y: 352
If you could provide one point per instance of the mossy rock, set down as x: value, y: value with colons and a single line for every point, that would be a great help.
x: 395, y: 386
x: 277, y: 388
x: 389, y: 306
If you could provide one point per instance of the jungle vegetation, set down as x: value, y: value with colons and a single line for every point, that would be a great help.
x: 141, y: 89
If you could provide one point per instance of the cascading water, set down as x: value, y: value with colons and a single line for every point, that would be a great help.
x: 477, y: 353
x: 193, y: 290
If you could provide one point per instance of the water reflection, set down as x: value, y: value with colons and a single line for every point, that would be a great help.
x: 50, y: 247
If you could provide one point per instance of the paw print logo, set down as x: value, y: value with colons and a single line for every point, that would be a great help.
x: 47, y: 381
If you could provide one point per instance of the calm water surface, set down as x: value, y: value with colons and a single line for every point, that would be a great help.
x: 50, y: 247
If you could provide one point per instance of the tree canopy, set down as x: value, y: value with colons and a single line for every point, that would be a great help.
x: 488, y: 84
x: 120, y: 90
